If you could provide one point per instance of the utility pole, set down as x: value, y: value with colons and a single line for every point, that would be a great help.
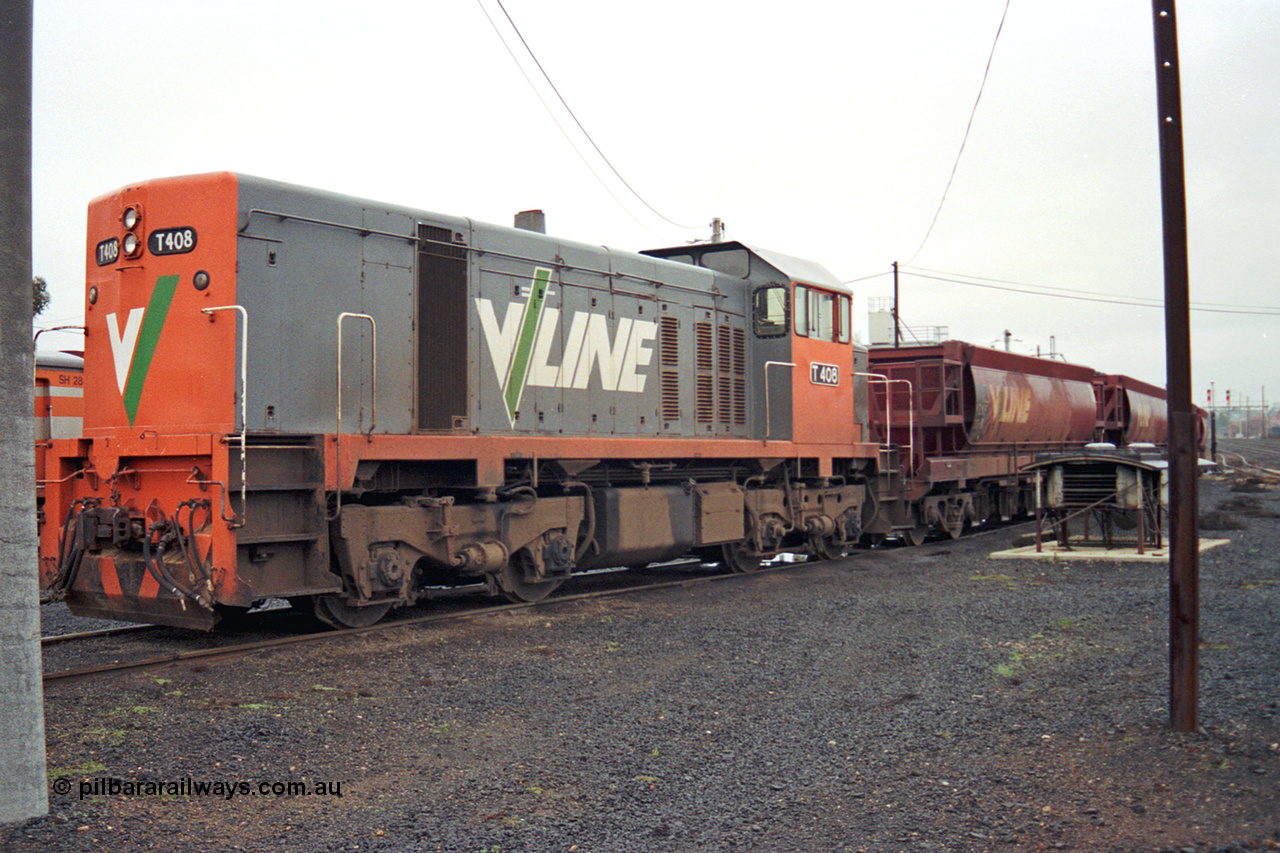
x: 1184, y: 540
x: 24, y: 789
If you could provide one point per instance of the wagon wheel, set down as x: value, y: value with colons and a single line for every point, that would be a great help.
x: 516, y: 587
x: 915, y: 536
x: 738, y: 559
x: 870, y: 540
x: 332, y: 610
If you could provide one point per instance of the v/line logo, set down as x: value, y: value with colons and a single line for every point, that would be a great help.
x: 133, y: 348
x: 521, y: 347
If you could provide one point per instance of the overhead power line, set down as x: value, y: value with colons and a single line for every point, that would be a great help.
x: 867, y: 277
x: 572, y: 115
x: 968, y: 127
x: 1086, y: 295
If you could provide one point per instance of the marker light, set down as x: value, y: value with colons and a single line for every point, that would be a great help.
x: 201, y: 280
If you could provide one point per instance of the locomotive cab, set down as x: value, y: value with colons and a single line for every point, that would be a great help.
x: 802, y: 353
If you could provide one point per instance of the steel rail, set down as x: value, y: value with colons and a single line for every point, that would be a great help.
x: 434, y: 618
x: 443, y: 618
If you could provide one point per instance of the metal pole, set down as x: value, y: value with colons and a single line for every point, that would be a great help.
x: 23, y: 785
x: 1184, y: 558
x: 1039, y: 514
x: 897, y: 333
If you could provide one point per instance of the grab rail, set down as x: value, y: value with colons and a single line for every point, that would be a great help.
x: 244, y: 402
x: 373, y: 388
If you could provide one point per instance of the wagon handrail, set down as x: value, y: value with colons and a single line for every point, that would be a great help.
x: 888, y: 412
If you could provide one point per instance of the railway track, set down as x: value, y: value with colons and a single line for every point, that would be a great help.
x: 144, y: 655
x: 219, y: 646
x: 1261, y: 455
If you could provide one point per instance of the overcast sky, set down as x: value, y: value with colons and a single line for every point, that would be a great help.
x: 828, y: 131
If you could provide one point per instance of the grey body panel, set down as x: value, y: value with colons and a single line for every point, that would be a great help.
x: 618, y: 349
x: 332, y: 255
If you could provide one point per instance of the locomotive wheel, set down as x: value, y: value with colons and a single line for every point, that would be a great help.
x: 511, y: 581
x: 827, y: 548
x: 738, y: 560
x: 332, y: 610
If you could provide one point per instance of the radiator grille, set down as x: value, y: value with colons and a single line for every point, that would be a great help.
x: 702, y: 332
x: 669, y: 356
x: 706, y: 402
x: 732, y: 375
x: 721, y: 374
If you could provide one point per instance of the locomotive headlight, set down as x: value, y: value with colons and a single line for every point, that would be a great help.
x: 130, y: 218
x: 131, y: 245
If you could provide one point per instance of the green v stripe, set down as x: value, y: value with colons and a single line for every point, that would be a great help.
x: 514, y: 388
x: 148, y: 338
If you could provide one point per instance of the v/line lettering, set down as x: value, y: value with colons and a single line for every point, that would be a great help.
x: 521, y: 346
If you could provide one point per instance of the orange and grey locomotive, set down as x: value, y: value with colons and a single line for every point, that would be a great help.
x: 293, y: 394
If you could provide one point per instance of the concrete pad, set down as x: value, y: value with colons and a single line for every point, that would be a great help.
x: 1053, y: 551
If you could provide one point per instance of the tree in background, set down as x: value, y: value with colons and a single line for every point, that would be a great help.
x: 39, y: 296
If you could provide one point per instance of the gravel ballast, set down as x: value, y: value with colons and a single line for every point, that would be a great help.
x: 925, y: 699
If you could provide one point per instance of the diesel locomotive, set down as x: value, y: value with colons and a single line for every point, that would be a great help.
x: 295, y: 394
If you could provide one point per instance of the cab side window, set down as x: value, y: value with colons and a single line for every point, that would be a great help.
x: 822, y: 315
x: 802, y: 311
x: 769, y: 310
x: 843, y: 305
x: 822, y: 321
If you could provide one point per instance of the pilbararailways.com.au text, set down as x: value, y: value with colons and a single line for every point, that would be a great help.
x: 103, y: 786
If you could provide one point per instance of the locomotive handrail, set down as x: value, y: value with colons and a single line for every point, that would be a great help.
x: 35, y: 340
x: 373, y: 390
x: 413, y: 238
x: 362, y: 230
x: 767, y: 365
x: 715, y: 292
x: 244, y: 401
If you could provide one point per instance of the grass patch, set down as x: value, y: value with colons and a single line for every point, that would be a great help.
x: 89, y: 768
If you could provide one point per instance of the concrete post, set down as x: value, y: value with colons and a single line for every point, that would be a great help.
x: 24, y: 789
